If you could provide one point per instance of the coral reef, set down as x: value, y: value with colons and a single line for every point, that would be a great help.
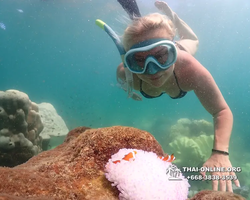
x: 243, y: 176
x: 74, y: 169
x: 244, y: 191
x: 55, y: 129
x: 191, y: 152
x: 216, y: 195
x: 145, y: 176
x: 20, y: 126
x: 190, y: 128
x: 191, y: 193
x: 191, y: 142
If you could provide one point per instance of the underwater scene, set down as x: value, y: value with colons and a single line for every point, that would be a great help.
x: 67, y: 125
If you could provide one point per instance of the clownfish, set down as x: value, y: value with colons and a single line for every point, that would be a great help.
x: 167, y: 158
x: 127, y: 157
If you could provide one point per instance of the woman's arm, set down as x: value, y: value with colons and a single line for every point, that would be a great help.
x: 213, y: 101
x: 121, y: 77
x: 121, y: 80
x: 193, y: 76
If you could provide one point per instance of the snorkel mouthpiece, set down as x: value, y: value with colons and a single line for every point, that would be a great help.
x: 152, y: 68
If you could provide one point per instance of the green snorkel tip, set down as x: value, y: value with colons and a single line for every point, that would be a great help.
x: 100, y: 23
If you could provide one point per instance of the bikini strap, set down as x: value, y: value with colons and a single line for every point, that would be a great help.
x: 177, y: 81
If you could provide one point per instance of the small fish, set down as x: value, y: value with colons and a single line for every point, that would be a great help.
x: 167, y: 158
x: 20, y: 10
x: 117, y: 161
x: 2, y: 26
x: 127, y: 157
x: 245, y: 188
x: 242, y: 190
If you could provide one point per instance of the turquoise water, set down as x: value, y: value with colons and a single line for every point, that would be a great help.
x: 55, y: 53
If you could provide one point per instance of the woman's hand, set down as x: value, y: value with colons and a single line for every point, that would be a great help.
x: 221, y: 161
x: 136, y: 97
x: 163, y: 6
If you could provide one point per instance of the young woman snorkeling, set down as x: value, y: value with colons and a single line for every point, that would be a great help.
x: 161, y: 65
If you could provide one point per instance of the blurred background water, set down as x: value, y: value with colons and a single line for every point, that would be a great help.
x: 54, y: 52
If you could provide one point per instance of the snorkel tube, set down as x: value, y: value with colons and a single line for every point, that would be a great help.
x: 118, y: 43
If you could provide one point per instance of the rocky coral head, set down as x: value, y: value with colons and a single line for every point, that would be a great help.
x: 20, y: 126
x: 75, y: 169
x: 96, y: 146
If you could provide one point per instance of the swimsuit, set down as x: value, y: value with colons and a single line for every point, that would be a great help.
x: 181, y: 94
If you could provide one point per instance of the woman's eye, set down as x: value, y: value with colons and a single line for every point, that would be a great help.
x: 139, y: 60
x: 162, y: 58
x: 158, y: 57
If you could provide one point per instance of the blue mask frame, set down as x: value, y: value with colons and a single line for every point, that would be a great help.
x: 151, y: 64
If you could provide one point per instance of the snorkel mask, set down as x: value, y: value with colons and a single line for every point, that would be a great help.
x: 151, y: 56
x: 151, y: 64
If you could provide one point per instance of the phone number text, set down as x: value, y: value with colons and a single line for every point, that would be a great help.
x: 212, y: 177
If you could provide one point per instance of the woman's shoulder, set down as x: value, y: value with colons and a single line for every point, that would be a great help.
x: 189, y: 70
x: 186, y: 62
x: 184, y: 58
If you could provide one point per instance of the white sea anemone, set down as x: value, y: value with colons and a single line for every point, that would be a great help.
x: 145, y: 177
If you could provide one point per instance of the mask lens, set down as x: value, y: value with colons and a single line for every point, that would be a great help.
x: 139, y: 60
x: 163, y: 55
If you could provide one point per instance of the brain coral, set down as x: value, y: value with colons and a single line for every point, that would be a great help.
x: 20, y: 125
x: 190, y: 128
x: 191, y: 152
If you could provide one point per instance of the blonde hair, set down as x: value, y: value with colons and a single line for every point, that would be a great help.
x: 144, y: 24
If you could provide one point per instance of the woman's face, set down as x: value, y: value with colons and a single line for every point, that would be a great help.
x: 158, y: 79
